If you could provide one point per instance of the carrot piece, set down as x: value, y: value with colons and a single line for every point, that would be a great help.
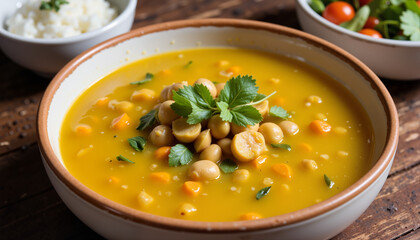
x: 259, y: 161
x: 113, y: 179
x: 102, y: 102
x: 83, y: 129
x: 166, y: 72
x: 234, y: 70
x: 250, y: 216
x: 121, y: 121
x: 282, y: 169
x: 320, y: 127
x: 162, y: 177
x: 306, y: 147
x: 162, y: 153
x: 191, y: 188
x: 279, y: 101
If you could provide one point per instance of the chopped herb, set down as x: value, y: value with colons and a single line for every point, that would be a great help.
x: 228, y: 166
x: 52, y: 5
x: 328, y: 181
x: 179, y: 155
x: 282, y: 145
x: 148, y: 120
x: 234, y: 103
x: 122, y: 158
x: 263, y: 192
x: 137, y: 143
x: 278, y: 111
x: 188, y: 64
x: 148, y: 78
x: 410, y: 24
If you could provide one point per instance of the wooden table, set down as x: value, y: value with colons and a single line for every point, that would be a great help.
x: 31, y: 209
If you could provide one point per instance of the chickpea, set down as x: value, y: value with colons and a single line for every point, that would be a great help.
x: 212, y: 153
x: 238, y: 129
x: 144, y: 94
x: 161, y: 136
x: 203, y: 170
x: 124, y: 106
x: 203, y: 141
x: 248, y: 145
x: 175, y: 87
x: 272, y: 133
x: 209, y: 84
x: 224, y: 144
x: 165, y: 114
x: 309, y: 164
x: 262, y: 107
x: 219, y: 88
x: 289, y: 127
x: 240, y: 175
x: 164, y: 93
x: 218, y: 127
x: 185, y: 132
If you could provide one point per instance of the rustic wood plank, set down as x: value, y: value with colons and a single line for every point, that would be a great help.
x: 411, y: 235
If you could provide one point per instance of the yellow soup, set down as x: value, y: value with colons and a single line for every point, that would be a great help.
x: 325, y: 146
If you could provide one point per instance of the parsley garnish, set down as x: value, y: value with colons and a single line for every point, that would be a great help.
x: 188, y: 64
x: 262, y: 192
x: 328, y: 181
x: 277, y: 111
x: 282, y: 145
x: 147, y: 120
x: 410, y: 24
x: 124, y: 159
x: 234, y: 104
x: 179, y: 155
x: 148, y: 78
x: 228, y: 166
x: 52, y: 4
x: 137, y: 143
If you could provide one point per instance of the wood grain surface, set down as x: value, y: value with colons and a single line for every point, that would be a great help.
x: 31, y: 209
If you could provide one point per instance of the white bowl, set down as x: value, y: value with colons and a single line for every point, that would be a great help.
x: 115, y: 221
x: 48, y: 56
x: 394, y: 59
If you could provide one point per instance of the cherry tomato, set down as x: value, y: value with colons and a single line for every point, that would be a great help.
x: 418, y: 3
x: 364, y: 2
x: 371, y: 22
x: 338, y: 12
x: 371, y: 32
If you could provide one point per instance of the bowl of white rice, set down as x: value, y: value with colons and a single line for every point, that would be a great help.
x: 43, y: 35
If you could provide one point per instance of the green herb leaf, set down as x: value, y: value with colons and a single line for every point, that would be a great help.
x: 198, y: 115
x: 282, y: 145
x: 124, y: 159
x: 179, y: 155
x: 317, y: 5
x: 228, y: 166
x: 358, y: 21
x: 328, y: 181
x: 259, y: 97
x: 188, y: 64
x: 238, y: 91
x: 388, y: 28
x: 277, y: 111
x: 412, y: 6
x: 52, y: 5
x: 410, y: 24
x: 148, y: 78
x: 225, y: 114
x: 245, y: 115
x: 206, y: 99
x: 377, y: 7
x: 137, y: 143
x: 148, y: 120
x: 181, y: 106
x: 263, y: 192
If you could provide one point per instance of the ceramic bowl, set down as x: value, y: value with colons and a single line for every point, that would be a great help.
x: 394, y: 59
x: 116, y: 221
x: 47, y: 56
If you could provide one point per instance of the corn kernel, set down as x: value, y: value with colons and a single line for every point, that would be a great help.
x: 144, y: 199
x: 222, y: 63
x: 274, y: 80
x: 309, y: 164
x: 268, y: 181
x: 342, y: 154
x: 340, y: 130
x: 285, y: 187
x: 324, y: 156
x: 240, y: 175
x: 187, y: 209
x: 314, y: 99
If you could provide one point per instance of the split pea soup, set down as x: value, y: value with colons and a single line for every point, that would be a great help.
x: 218, y: 134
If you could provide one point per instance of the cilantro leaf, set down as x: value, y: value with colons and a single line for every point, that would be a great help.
x: 52, y: 4
x: 245, y: 115
x: 328, y: 181
x: 148, y: 120
x: 278, y: 111
x: 179, y: 155
x: 205, y: 95
x: 412, y: 6
x: 198, y: 115
x: 181, y: 106
x: 137, y: 143
x: 148, y: 78
x: 238, y: 91
x: 225, y: 114
x: 410, y: 24
x: 263, y: 192
x: 188, y: 64
x: 228, y: 166
x: 282, y: 145
x: 259, y: 97
x: 124, y: 159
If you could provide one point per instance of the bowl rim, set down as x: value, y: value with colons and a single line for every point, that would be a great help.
x: 137, y: 216
x: 131, y: 6
x: 303, y: 4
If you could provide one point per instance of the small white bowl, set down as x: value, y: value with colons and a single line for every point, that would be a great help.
x: 47, y: 56
x: 115, y: 221
x: 394, y: 59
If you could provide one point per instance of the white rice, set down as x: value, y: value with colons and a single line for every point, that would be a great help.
x: 74, y: 18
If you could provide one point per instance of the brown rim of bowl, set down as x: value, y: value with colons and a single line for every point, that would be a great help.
x: 137, y: 216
